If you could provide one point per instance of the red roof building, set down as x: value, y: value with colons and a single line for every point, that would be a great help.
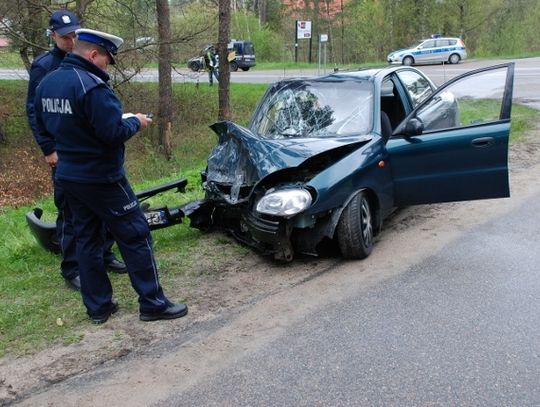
x: 327, y: 8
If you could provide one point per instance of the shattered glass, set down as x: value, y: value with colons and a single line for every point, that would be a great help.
x: 315, y: 109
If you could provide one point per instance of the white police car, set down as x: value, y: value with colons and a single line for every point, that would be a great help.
x: 438, y: 49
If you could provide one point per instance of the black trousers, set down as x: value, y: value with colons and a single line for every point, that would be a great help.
x: 114, y: 207
x: 69, y: 266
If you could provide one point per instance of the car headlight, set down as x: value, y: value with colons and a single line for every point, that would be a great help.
x: 284, y: 202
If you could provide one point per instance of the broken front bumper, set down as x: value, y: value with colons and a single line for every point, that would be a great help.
x: 157, y: 218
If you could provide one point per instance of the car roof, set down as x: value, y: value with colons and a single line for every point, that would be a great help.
x: 368, y: 74
x: 440, y: 38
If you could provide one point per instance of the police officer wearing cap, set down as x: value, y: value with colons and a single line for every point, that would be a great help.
x: 62, y: 27
x: 75, y: 105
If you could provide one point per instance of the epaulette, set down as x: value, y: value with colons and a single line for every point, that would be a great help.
x: 88, y: 80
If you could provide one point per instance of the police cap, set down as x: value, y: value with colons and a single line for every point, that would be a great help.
x: 108, y: 42
x: 63, y: 22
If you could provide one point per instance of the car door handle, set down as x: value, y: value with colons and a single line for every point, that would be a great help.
x: 483, y: 142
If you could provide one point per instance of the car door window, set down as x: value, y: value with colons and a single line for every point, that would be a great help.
x: 468, y: 102
x: 417, y: 86
x: 428, y: 44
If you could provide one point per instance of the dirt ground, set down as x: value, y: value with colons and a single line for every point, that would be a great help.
x: 240, y: 282
x: 23, y: 177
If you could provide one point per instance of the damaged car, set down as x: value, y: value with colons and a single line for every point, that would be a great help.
x: 324, y: 160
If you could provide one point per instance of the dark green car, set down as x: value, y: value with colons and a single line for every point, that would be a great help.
x: 324, y: 160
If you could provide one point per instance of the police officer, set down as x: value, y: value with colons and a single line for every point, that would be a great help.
x: 211, y: 63
x: 75, y: 106
x: 62, y: 26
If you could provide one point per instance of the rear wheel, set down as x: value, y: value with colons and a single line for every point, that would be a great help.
x: 234, y: 66
x: 245, y: 68
x: 454, y: 59
x: 408, y: 61
x: 355, y: 228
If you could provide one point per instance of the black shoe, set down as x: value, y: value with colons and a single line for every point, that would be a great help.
x: 100, y: 319
x: 74, y: 283
x: 116, y: 266
x: 171, y: 312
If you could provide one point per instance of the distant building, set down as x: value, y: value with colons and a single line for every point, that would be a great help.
x: 327, y: 8
x: 4, y: 42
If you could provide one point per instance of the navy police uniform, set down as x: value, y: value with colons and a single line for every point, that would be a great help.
x: 61, y: 22
x: 42, y: 65
x: 75, y: 105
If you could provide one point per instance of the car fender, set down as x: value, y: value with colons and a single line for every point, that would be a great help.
x: 336, y: 213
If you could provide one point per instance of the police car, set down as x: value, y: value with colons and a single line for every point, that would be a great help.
x: 435, y: 49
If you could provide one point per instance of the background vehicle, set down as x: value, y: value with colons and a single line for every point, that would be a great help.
x: 451, y: 50
x: 241, y: 56
x: 244, y: 55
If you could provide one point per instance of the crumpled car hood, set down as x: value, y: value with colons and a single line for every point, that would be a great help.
x: 242, y: 158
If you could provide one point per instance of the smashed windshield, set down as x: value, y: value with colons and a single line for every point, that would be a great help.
x: 319, y: 109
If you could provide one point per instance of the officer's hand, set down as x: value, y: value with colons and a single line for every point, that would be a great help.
x: 144, y: 119
x: 52, y: 159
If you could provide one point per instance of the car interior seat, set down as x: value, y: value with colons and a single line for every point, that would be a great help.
x: 386, y: 126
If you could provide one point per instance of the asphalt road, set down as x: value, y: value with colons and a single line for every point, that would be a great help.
x: 460, y: 328
x: 526, y: 85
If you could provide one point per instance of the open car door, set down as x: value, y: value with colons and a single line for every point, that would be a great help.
x: 454, y: 145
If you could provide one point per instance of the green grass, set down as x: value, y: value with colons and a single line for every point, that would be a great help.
x: 32, y: 293
x: 474, y: 111
x: 10, y: 60
x: 524, y: 119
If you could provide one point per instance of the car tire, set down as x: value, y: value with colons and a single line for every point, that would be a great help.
x: 454, y: 59
x: 408, y: 60
x: 194, y: 66
x: 355, y: 228
x: 245, y: 68
x: 234, y: 66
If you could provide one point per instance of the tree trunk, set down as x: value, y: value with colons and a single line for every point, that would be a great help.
x: 263, y: 12
x: 165, y: 82
x: 224, y: 110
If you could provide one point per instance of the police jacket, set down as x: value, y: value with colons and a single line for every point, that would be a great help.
x: 41, y: 66
x: 76, y: 107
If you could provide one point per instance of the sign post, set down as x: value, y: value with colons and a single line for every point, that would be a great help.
x: 302, y: 31
x: 323, y: 39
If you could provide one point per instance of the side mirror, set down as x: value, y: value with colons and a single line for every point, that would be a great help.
x: 414, y: 127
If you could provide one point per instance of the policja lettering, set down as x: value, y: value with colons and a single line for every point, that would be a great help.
x: 56, y: 105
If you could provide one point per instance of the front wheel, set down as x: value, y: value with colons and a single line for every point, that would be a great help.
x: 408, y: 61
x: 355, y: 228
x: 454, y: 59
x: 245, y: 68
x: 234, y: 66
